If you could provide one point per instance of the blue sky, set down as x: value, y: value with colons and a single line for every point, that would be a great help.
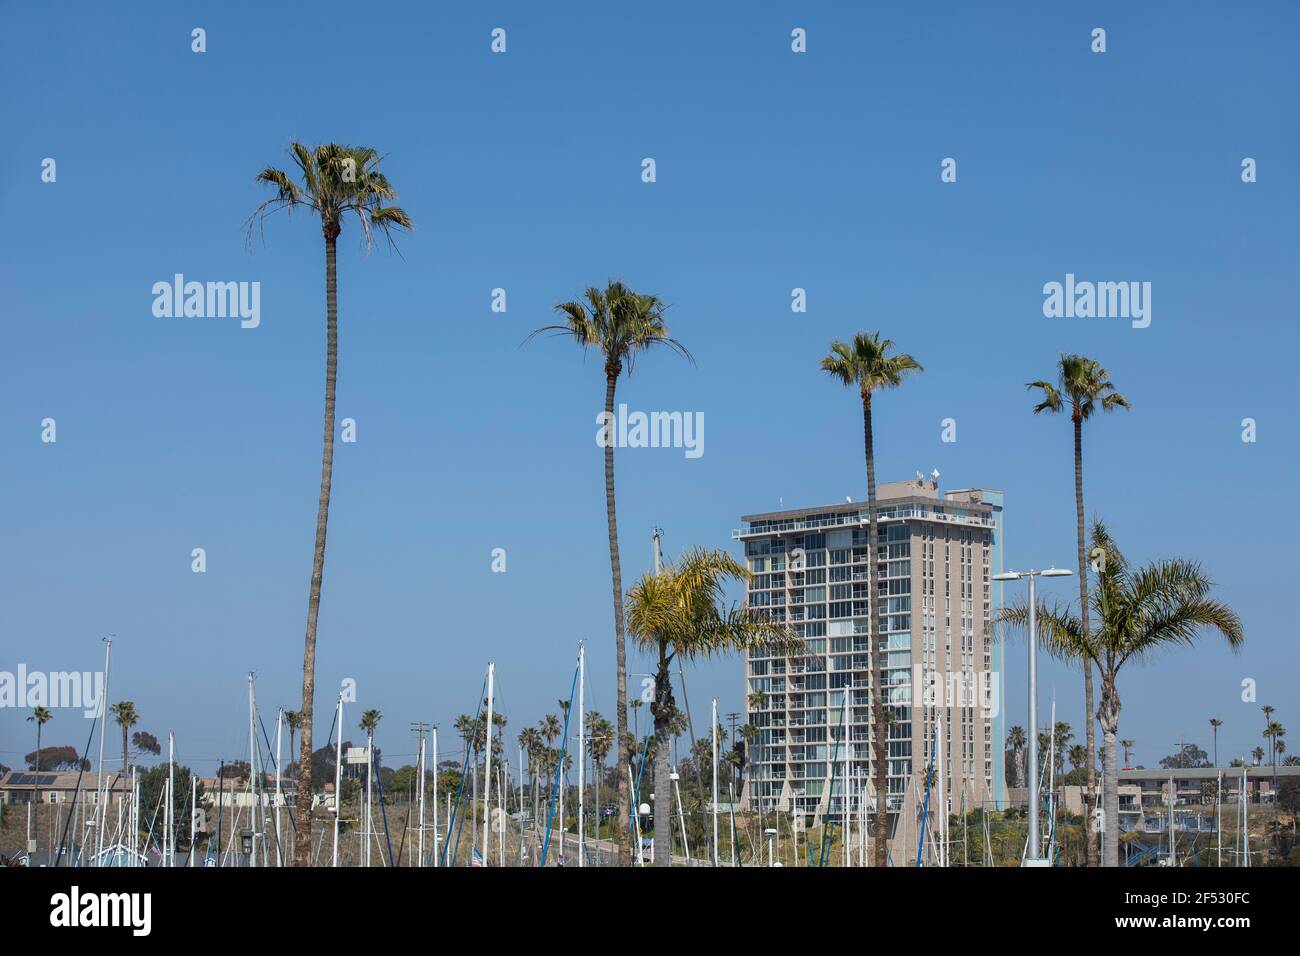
x: 522, y: 171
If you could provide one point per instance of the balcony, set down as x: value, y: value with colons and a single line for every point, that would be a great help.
x: 855, y: 519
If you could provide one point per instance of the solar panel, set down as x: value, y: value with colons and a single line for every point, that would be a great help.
x: 32, y: 779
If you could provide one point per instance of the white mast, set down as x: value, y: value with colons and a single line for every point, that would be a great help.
x: 252, y: 779
x: 338, y: 780
x: 582, y: 726
x: 279, y: 772
x: 370, y: 777
x: 681, y: 815
x: 487, y: 763
x: 170, y: 855
x: 420, y: 778
x: 435, y: 796
x: 941, y: 830
x: 1218, y: 814
x: 101, y: 817
x: 844, y: 785
x: 194, y: 813
x: 714, y: 732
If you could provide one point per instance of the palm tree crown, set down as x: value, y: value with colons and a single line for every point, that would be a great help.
x: 868, y: 364
x: 336, y: 180
x: 1082, y: 388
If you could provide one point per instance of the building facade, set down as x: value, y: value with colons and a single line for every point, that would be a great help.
x: 941, y: 671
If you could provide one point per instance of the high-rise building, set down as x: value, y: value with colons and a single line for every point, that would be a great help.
x: 940, y: 667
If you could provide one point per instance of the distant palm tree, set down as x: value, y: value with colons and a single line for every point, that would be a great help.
x: 1128, y: 747
x: 293, y: 720
x: 1016, y: 742
x: 337, y: 181
x: 600, y: 739
x: 676, y: 614
x: 1078, y: 754
x: 620, y: 324
x: 126, y: 717
x: 40, y: 717
x: 1083, y: 387
x: 1215, y: 724
x: 636, y: 704
x: 1139, y: 611
x: 1257, y: 753
x: 867, y: 364
x: 1274, y: 733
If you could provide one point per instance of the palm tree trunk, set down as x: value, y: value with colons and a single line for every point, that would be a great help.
x: 302, y: 845
x: 879, y: 748
x: 612, y: 372
x: 1090, y: 735
x: 1109, y: 717
x: 124, y: 748
x: 663, y: 803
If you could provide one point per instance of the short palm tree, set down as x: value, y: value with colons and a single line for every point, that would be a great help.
x: 337, y: 181
x: 1016, y: 741
x: 1257, y: 753
x: 125, y: 714
x: 620, y: 324
x: 1083, y: 388
x: 600, y: 738
x: 292, y: 720
x: 677, y: 613
x: 1139, y: 611
x: 40, y: 717
x: 869, y: 364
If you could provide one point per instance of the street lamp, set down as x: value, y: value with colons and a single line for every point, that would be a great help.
x: 1032, y: 856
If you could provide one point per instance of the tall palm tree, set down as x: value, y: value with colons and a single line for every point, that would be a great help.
x: 1139, y: 612
x: 1083, y: 388
x: 1016, y: 741
x: 867, y: 364
x: 292, y: 720
x: 1274, y: 733
x: 1215, y: 724
x: 600, y: 738
x: 337, y: 181
x: 1128, y: 748
x: 676, y: 613
x: 125, y: 714
x: 40, y: 717
x: 620, y: 324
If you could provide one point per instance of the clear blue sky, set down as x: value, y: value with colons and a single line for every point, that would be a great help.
x: 522, y: 171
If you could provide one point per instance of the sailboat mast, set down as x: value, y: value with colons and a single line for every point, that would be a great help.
x: 100, y: 796
x: 487, y: 764
x: 338, y: 781
x: 582, y: 780
x: 714, y: 732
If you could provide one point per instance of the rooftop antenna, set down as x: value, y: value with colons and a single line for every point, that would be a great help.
x: 934, y: 475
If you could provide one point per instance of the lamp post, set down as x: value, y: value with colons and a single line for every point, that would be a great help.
x: 1032, y: 857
